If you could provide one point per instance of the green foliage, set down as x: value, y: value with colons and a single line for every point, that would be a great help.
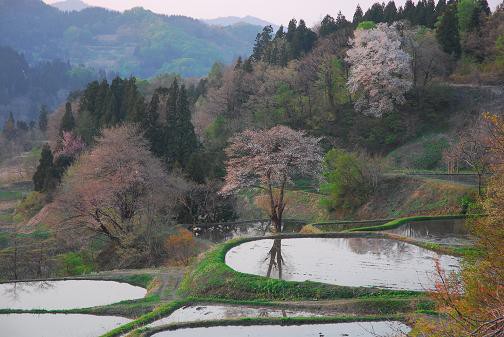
x: 9, y: 129
x: 158, y: 313
x: 45, y: 178
x: 365, y: 25
x: 432, y: 154
x: 68, y: 121
x: 74, y: 264
x: 142, y: 280
x: 30, y: 205
x: 42, y: 122
x: 465, y: 11
x: 179, y: 138
x: 447, y: 31
x: 399, y: 222
x: 347, y: 186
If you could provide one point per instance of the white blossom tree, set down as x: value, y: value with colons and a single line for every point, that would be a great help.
x: 380, y: 71
x: 270, y: 160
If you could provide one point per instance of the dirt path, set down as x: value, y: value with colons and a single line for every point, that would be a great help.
x: 168, y: 279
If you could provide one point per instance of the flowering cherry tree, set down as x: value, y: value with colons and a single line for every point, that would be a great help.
x: 380, y: 71
x: 71, y: 146
x: 270, y: 160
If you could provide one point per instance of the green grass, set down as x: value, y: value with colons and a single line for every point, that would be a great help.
x: 158, y: 313
x: 10, y: 195
x: 212, y: 278
x: 141, y: 280
x: 399, y: 222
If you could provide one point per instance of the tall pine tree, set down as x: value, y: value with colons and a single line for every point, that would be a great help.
x: 45, y: 177
x: 447, y: 32
x: 358, y: 16
x: 9, y: 129
x: 42, y: 122
x: 180, y: 140
x: 68, y: 120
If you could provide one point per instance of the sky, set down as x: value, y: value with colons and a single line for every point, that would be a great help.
x: 275, y: 11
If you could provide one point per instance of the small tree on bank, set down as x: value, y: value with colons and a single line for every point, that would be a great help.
x: 270, y: 160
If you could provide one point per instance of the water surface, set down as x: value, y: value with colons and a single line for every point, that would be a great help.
x: 57, y: 325
x: 447, y: 231
x: 224, y: 232
x: 69, y: 294
x: 354, y: 329
x: 215, y: 312
x: 366, y: 262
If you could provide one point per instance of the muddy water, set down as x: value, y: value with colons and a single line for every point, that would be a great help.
x: 355, y: 329
x: 367, y: 262
x: 215, y: 312
x: 58, y: 325
x: 66, y: 294
x: 452, y: 232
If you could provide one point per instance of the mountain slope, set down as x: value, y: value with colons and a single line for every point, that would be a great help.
x: 137, y: 42
x: 70, y: 5
x: 233, y: 20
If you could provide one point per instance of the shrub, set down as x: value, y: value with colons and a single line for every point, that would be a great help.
x: 351, y: 178
x: 30, y: 205
x: 76, y: 263
x: 181, y: 247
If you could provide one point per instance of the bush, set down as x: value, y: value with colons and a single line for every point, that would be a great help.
x: 351, y: 178
x: 181, y: 247
x: 30, y: 205
x: 432, y: 154
x: 73, y: 264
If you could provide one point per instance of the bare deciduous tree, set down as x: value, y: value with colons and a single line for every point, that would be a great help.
x: 119, y: 190
x: 270, y: 160
x: 474, y: 149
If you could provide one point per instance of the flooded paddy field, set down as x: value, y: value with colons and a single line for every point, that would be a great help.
x: 67, y: 294
x: 366, y: 262
x: 57, y: 325
x: 215, y: 312
x: 445, y: 231
x: 354, y: 329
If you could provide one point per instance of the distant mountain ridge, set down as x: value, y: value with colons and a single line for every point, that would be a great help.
x: 137, y: 41
x: 233, y: 20
x: 70, y: 5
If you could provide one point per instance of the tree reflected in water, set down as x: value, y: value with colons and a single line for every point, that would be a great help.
x: 275, y: 258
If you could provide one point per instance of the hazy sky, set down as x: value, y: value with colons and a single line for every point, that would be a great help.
x: 276, y: 11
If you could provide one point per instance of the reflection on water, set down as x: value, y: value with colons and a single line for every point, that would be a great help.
x: 355, y: 329
x: 224, y: 232
x: 367, y: 262
x: 69, y: 294
x: 452, y: 231
x: 215, y: 312
x: 58, y: 325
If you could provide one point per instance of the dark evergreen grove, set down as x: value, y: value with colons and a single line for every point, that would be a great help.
x: 45, y: 178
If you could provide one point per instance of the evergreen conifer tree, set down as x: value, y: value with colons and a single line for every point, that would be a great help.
x: 44, y: 179
x: 358, y: 16
x: 43, y: 119
x: 68, y: 120
x: 447, y: 32
x: 9, y: 129
x: 390, y: 12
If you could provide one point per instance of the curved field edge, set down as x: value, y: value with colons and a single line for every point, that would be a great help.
x: 401, y: 221
x: 284, y: 321
x: 212, y: 277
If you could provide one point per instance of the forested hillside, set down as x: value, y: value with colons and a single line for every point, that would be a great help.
x: 25, y: 88
x: 137, y: 42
